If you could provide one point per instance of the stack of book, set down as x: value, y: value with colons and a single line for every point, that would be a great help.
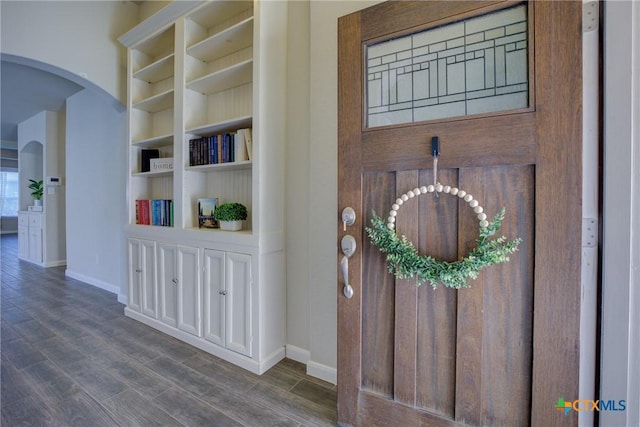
x: 154, y: 212
x: 221, y: 148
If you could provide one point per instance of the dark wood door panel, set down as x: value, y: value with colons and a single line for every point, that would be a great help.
x: 470, y: 346
x: 488, y: 141
x: 393, y: 17
x: 491, y: 354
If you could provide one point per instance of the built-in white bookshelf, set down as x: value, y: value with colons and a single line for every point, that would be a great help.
x: 198, y: 70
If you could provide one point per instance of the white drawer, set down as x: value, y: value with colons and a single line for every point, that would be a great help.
x: 35, y: 220
x: 23, y: 219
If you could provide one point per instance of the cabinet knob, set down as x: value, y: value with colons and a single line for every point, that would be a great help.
x: 222, y: 292
x: 138, y: 270
x: 175, y: 281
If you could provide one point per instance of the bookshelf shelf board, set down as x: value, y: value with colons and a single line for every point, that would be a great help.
x: 158, y: 46
x: 232, y: 39
x: 226, y: 78
x: 223, y: 126
x: 154, y: 142
x: 156, y: 103
x: 242, y: 237
x: 216, y: 12
x: 159, y: 70
x: 152, y: 174
x: 245, y: 164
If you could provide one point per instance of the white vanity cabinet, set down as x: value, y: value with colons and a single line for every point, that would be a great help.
x: 30, y: 236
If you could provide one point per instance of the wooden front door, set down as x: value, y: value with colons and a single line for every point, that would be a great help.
x: 504, y: 350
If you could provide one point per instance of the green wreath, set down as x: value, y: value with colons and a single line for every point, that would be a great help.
x: 404, y: 261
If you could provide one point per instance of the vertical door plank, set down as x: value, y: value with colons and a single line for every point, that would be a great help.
x: 378, y: 289
x: 470, y: 311
x: 508, y: 301
x: 436, y: 367
x: 406, y: 297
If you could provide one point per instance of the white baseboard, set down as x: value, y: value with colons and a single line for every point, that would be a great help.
x: 323, y: 372
x: 59, y: 263
x: 314, y: 369
x: 92, y: 281
x: 221, y: 352
x: 298, y: 354
x: 122, y: 299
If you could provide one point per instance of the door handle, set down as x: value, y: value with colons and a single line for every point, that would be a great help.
x: 347, y: 290
x: 348, y: 246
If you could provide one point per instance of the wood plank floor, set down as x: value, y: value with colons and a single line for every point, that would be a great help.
x: 71, y: 358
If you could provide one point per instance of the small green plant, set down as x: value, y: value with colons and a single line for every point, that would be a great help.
x: 36, y: 186
x: 230, y: 212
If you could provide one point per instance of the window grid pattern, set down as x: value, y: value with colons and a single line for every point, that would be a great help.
x: 470, y: 67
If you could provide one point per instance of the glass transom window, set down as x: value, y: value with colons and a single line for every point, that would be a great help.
x: 475, y: 66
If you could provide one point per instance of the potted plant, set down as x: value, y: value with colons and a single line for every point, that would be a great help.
x: 230, y: 216
x: 36, y: 186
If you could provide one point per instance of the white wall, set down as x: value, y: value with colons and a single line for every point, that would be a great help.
x: 312, y: 240
x: 44, y: 130
x: 78, y: 41
x: 95, y: 183
x: 297, y: 183
x: 78, y: 36
x: 620, y: 340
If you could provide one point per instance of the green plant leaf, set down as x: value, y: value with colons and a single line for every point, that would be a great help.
x: 404, y: 261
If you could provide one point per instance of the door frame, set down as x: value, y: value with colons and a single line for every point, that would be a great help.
x: 620, y: 344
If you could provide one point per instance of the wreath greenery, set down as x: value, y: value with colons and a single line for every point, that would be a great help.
x: 404, y: 261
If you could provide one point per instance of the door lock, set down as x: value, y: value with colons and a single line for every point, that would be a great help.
x: 348, y: 217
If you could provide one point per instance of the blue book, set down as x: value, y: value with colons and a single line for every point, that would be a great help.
x: 215, y: 149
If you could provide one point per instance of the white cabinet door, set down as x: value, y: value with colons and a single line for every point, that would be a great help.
x: 142, y: 276
x: 35, y: 236
x: 214, y: 296
x: 168, y: 283
x: 35, y: 244
x: 133, y: 252
x: 189, y: 293
x: 23, y: 242
x: 23, y: 235
x: 238, y: 304
x: 148, y: 278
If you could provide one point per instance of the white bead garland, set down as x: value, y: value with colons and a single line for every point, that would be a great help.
x: 438, y: 188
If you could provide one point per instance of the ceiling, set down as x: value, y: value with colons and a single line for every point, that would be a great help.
x: 25, y: 91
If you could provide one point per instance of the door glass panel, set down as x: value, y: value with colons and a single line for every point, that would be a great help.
x: 475, y: 66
